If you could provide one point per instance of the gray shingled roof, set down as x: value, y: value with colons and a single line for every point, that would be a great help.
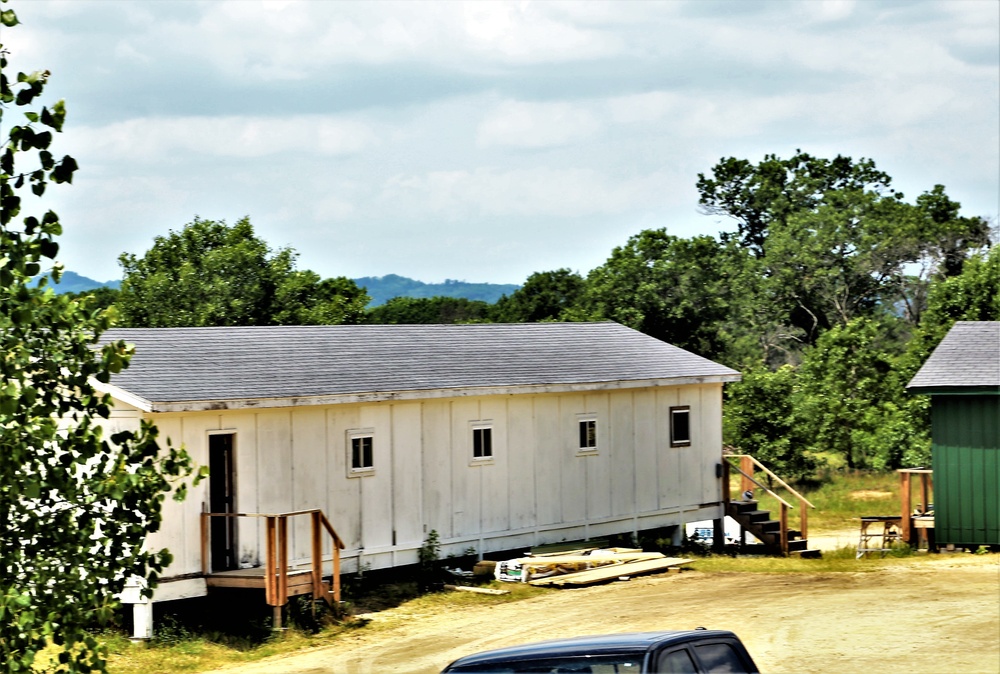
x: 172, y: 365
x: 968, y: 356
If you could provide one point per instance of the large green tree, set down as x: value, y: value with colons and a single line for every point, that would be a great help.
x: 758, y: 196
x: 75, y: 504
x: 674, y: 289
x: 213, y: 274
x: 761, y: 420
x: 972, y: 295
x: 833, y: 240
x: 545, y: 296
x: 853, y: 401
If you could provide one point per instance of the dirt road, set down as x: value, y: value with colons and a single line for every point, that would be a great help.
x: 942, y: 615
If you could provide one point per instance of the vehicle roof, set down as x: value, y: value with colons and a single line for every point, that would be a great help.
x: 604, y: 644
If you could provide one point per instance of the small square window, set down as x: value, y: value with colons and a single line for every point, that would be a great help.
x: 588, y: 435
x: 482, y: 442
x: 680, y: 426
x: 361, y: 449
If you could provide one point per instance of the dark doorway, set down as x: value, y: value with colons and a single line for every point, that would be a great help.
x: 222, y: 499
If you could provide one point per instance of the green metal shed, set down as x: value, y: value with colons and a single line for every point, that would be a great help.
x: 962, y: 377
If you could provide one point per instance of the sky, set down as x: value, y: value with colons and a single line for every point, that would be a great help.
x: 485, y: 141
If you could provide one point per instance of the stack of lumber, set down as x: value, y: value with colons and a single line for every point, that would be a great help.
x: 583, y: 567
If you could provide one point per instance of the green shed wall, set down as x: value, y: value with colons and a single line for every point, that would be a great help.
x: 965, y: 435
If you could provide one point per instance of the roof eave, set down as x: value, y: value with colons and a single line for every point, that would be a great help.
x: 424, y: 394
x: 990, y: 389
x: 124, y: 396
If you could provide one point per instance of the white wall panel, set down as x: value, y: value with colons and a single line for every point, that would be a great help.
x: 437, y: 467
x: 178, y: 518
x: 573, y: 468
x: 309, y: 474
x: 619, y: 452
x: 274, y: 452
x: 647, y: 450
x: 549, y: 450
x: 711, y: 445
x: 407, y: 473
x: 668, y: 466
x: 521, y: 447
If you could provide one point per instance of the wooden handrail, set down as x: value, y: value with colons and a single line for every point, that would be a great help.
x: 778, y: 498
x: 777, y: 479
x: 276, y: 553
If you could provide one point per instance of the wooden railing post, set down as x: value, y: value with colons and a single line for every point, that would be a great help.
x: 726, y: 491
x: 336, y: 573
x: 746, y: 483
x: 204, y: 543
x: 905, y: 498
x: 803, y: 520
x: 270, y: 563
x: 317, y: 559
x: 282, y: 560
x: 925, y: 494
x: 784, y: 529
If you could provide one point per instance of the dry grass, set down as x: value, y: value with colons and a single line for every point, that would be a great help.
x: 198, y: 653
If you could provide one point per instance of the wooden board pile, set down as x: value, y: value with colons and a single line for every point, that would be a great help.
x: 585, y: 566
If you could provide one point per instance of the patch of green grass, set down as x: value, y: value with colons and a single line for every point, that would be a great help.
x: 842, y: 560
x: 841, y: 499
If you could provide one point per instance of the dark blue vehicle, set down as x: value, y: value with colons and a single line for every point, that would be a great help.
x: 695, y: 651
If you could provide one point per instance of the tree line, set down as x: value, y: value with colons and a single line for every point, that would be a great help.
x: 828, y: 291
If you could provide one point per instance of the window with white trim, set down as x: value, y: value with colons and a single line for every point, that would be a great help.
x: 361, y: 452
x: 482, y: 441
x: 588, y: 433
x: 680, y: 426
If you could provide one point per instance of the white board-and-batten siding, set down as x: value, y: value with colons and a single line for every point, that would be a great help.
x: 538, y: 486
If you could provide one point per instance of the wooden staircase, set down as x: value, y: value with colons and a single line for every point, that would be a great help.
x: 768, y: 531
x: 775, y: 536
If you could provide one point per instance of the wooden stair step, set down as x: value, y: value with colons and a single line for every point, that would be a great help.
x: 757, y: 515
x: 767, y: 526
x: 743, y: 506
x: 807, y: 554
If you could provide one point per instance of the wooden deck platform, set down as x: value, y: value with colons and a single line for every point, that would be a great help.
x: 299, y: 579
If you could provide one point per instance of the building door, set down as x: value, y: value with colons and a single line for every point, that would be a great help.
x: 222, y: 499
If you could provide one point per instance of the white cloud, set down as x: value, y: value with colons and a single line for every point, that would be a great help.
x: 646, y: 107
x: 536, y: 125
x: 531, y: 32
x: 168, y: 139
x: 531, y: 192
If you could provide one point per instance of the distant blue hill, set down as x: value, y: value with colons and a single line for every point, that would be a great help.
x: 383, y: 288
x: 71, y: 282
x: 380, y: 288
